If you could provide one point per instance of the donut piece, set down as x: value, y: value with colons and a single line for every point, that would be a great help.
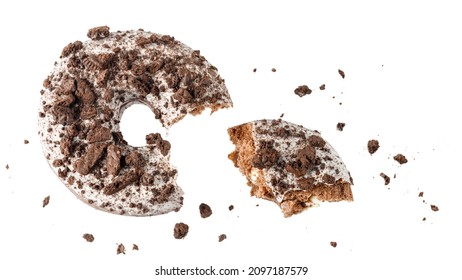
x: 83, y: 100
x: 289, y: 165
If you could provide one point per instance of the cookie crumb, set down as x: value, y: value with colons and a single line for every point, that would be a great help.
x: 281, y: 116
x: 424, y: 219
x: 7, y: 167
x: 46, y: 200
x: 231, y: 207
x: 180, y: 230
x: 302, y: 90
x: 400, y: 158
x: 135, y: 247
x: 254, y: 70
x: 434, y: 207
x: 421, y: 194
x: 26, y: 141
x: 205, y: 210
x: 386, y: 178
x: 340, y: 126
x: 120, y: 249
x: 273, y: 69
x: 88, y: 237
x: 221, y: 237
x: 373, y: 146
x: 333, y: 244
x: 341, y: 73
x: 322, y: 87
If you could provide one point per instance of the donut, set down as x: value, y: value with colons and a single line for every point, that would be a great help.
x: 82, y: 102
x: 289, y: 164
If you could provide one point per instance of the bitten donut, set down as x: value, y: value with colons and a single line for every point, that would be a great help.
x: 289, y: 165
x: 82, y: 102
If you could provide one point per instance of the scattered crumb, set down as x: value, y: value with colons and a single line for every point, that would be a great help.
x: 205, y: 210
x: 180, y: 230
x: 281, y: 116
x: 231, y: 207
x: 135, y: 247
x: 221, y: 237
x: 302, y: 90
x: 394, y: 176
x: 373, y: 146
x: 400, y: 158
x: 333, y: 244
x: 26, y: 141
x: 273, y: 69
x: 421, y: 194
x: 322, y: 87
x: 386, y: 178
x: 257, y: 205
x: 340, y: 126
x: 424, y: 219
x: 120, y: 249
x: 89, y: 237
x: 254, y: 70
x: 46, y: 200
x: 341, y: 73
x: 7, y: 167
x: 434, y: 207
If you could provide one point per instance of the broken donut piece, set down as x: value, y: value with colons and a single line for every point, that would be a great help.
x: 289, y: 165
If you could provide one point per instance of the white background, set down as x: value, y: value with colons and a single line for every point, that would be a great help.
x: 402, y: 61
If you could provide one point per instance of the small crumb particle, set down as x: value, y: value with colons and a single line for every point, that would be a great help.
x: 180, y: 230
x: 46, y: 200
x: 281, y: 116
x: 120, y: 249
x: 340, y: 126
x: 386, y: 178
x: 373, y: 146
x: 424, y: 219
x: 421, y: 194
x: 302, y: 90
x: 341, y: 73
x: 205, y: 210
x: 26, y: 141
x: 333, y: 244
x: 135, y: 247
x: 434, y: 208
x: 221, y: 237
x: 400, y: 158
x: 88, y: 237
x: 254, y: 70
x: 257, y: 205
x: 273, y: 69
x: 231, y: 207
x: 322, y: 87
x: 7, y: 167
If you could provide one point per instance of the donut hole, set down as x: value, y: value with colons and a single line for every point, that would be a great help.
x: 136, y: 122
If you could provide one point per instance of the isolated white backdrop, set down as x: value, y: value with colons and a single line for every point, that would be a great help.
x: 402, y: 64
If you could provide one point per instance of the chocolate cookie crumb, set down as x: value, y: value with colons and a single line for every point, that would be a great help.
x: 26, y: 141
x: 135, y: 247
x: 322, y: 87
x: 180, y: 230
x: 254, y: 70
x: 221, y: 237
x: 386, y: 178
x: 333, y: 244
x: 88, y: 237
x: 281, y: 116
x: 231, y: 207
x: 421, y: 194
x: 373, y: 146
x: 46, y: 200
x: 340, y: 126
x: 120, y: 249
x: 7, y: 167
x: 205, y: 210
x: 424, y: 219
x: 434, y: 207
x: 401, y: 159
x: 98, y: 32
x: 302, y: 90
x: 273, y: 69
x: 341, y: 73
